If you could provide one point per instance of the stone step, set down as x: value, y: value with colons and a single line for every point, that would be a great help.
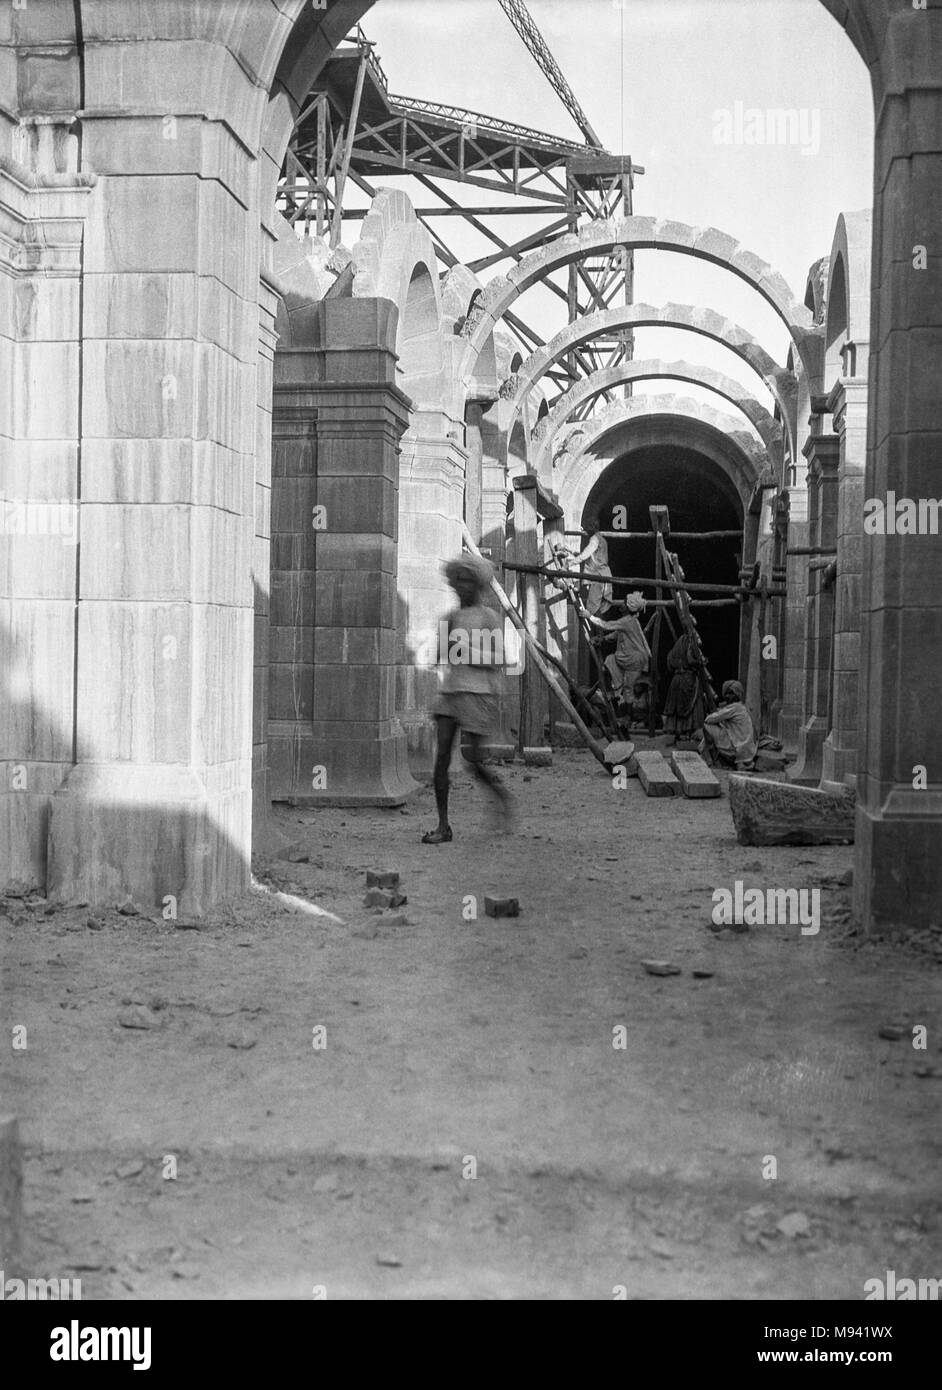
x: 655, y: 776
x: 694, y: 776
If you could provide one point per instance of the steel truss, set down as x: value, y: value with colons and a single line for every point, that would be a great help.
x: 353, y: 129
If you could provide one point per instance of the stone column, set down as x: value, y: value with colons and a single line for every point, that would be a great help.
x: 474, y: 443
x: 556, y: 615
x: 431, y: 500
x: 262, y: 830
x: 792, y: 647
x: 848, y: 404
x: 527, y: 551
x: 822, y: 452
x: 898, y: 855
x: 338, y: 416
x: 494, y: 546
x: 158, y: 803
x: 43, y: 205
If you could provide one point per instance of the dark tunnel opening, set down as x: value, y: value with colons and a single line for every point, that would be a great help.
x: 699, y: 497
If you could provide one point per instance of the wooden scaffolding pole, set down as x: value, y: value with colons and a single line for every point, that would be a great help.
x: 593, y: 745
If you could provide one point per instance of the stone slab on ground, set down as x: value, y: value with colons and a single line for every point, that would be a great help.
x: 502, y: 907
x: 781, y: 813
x: 694, y: 776
x: 655, y: 776
x: 11, y: 1195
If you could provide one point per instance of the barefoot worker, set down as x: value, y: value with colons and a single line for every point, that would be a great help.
x: 596, y: 573
x: 729, y: 735
x: 631, y: 658
x: 471, y: 655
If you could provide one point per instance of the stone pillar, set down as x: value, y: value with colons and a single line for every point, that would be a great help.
x: 778, y: 613
x: 848, y: 404
x: 262, y: 830
x: 338, y: 416
x: 555, y: 614
x: 474, y: 443
x: 898, y: 854
x: 158, y: 802
x: 792, y: 647
x: 431, y: 501
x: 822, y: 451
x: 494, y: 545
x: 527, y: 551
x: 43, y: 205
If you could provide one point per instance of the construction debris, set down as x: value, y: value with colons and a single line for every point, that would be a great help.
x: 661, y: 967
x: 617, y: 754
x: 502, y: 907
x: 381, y: 878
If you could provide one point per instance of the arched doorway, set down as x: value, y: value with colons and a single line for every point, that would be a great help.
x: 700, y: 497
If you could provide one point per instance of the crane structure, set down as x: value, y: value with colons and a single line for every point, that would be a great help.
x: 474, y: 167
x: 522, y: 20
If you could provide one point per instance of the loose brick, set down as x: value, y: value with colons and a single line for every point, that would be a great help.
x: 376, y: 897
x: 502, y: 907
x: 377, y: 878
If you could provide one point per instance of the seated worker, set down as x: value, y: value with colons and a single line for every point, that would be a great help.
x: 632, y: 655
x: 639, y: 706
x: 729, y: 736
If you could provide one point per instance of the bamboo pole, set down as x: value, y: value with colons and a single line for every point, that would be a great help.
x: 593, y: 745
x: 635, y: 579
x: 674, y: 535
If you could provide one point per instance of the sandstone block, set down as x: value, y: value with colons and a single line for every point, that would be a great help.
x: 655, y: 776
x: 779, y: 813
x: 695, y: 777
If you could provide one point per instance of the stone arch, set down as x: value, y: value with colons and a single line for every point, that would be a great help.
x: 836, y: 333
x: 684, y: 316
x: 847, y: 319
x: 660, y: 419
x: 605, y: 236
x: 767, y: 428
x: 461, y: 291
x: 707, y: 322
x: 393, y: 260
x: 816, y: 289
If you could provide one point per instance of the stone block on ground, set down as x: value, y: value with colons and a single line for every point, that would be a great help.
x: 618, y: 753
x: 11, y: 1195
x: 696, y: 779
x: 655, y: 776
x: 538, y: 757
x: 376, y: 878
x: 376, y: 897
x: 502, y: 907
x: 781, y: 813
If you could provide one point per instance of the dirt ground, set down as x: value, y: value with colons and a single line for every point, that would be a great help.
x: 455, y: 1046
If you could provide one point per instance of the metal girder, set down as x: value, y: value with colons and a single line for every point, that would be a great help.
x: 352, y: 127
x: 520, y: 17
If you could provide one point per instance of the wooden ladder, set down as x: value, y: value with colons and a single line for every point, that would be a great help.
x: 673, y: 571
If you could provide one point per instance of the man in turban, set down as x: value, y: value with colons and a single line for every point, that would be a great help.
x: 471, y: 653
x: 632, y: 655
x: 729, y: 736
